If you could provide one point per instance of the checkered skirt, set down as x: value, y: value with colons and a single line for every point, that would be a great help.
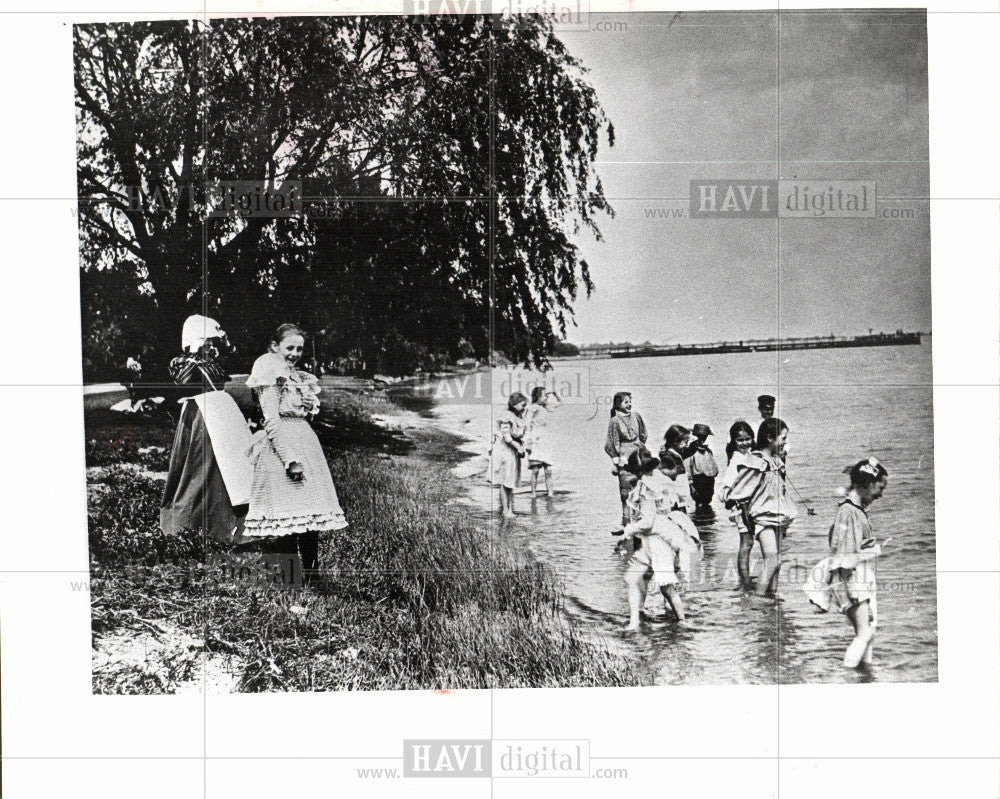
x: 282, y: 506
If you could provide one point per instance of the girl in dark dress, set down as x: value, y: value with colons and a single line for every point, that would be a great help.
x: 197, y: 495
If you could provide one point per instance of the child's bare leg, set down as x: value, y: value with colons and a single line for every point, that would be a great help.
x: 863, y: 632
x: 506, y: 501
x: 625, y: 484
x: 673, y: 596
x: 548, y: 481
x: 636, y: 582
x: 769, y: 575
x: 743, y: 558
x: 534, y: 482
x: 869, y: 657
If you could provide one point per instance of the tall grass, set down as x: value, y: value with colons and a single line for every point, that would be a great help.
x: 417, y: 594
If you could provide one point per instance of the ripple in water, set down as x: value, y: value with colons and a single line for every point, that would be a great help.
x: 841, y: 405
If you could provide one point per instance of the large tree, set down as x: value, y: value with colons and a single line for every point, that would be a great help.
x: 449, y: 164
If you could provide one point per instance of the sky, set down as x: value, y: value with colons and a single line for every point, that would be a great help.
x: 841, y: 94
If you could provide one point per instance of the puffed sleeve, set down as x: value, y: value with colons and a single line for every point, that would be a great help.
x: 846, y: 537
x: 612, y: 442
x: 671, y: 497
x: 729, y: 478
x: 642, y: 508
x: 748, y: 478
x: 180, y: 370
x: 267, y: 369
x: 682, y: 488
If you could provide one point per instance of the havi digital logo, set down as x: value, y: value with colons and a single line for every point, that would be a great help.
x: 744, y: 199
x: 445, y: 8
x: 447, y: 758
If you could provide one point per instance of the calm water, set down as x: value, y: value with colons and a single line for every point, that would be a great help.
x: 841, y: 405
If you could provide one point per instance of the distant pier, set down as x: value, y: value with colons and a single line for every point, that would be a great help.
x: 752, y: 345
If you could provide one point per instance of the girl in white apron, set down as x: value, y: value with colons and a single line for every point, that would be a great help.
x: 208, y: 479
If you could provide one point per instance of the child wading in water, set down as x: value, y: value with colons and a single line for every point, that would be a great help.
x: 672, y: 468
x: 508, y: 449
x: 679, y: 441
x: 662, y: 533
x: 759, y: 492
x: 626, y: 434
x: 538, y: 444
x: 737, y: 451
x: 847, y: 577
x: 293, y: 498
x: 701, y: 468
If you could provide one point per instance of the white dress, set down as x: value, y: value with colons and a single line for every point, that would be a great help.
x: 669, y: 538
x: 278, y: 504
x: 539, y: 440
x: 505, y: 461
x: 728, y: 480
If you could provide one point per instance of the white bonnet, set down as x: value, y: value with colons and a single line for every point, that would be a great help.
x: 197, y: 330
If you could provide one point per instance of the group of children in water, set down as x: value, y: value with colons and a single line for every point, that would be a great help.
x: 658, y: 536
x: 273, y: 491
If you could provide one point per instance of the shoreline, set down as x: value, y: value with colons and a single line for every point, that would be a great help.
x: 474, y: 492
x: 422, y: 594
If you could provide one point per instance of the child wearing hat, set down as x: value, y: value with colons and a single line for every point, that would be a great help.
x: 702, y: 468
x: 765, y: 405
x: 662, y: 534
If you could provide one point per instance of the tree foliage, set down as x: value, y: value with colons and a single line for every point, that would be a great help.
x: 447, y: 166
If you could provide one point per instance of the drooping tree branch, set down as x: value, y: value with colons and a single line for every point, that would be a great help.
x: 355, y: 108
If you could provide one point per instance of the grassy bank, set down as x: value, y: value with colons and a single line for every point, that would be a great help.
x: 418, y: 595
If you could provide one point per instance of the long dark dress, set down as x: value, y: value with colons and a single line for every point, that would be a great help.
x: 195, y: 496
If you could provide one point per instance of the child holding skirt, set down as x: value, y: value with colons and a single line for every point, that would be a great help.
x: 846, y: 578
x: 663, y: 534
x: 293, y: 498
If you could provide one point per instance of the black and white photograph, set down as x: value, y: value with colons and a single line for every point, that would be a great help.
x: 588, y: 397
x: 481, y: 352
